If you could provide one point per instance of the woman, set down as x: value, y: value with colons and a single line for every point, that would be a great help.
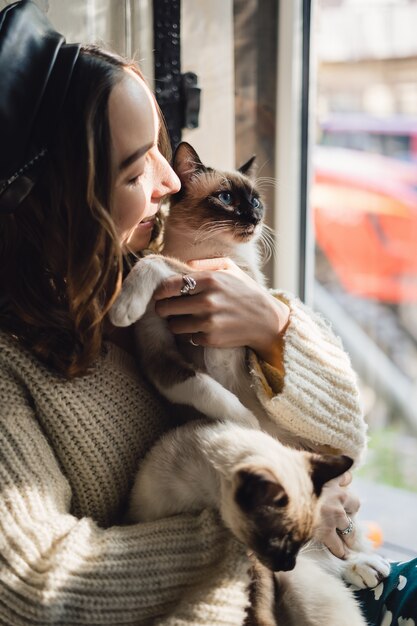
x: 83, y: 171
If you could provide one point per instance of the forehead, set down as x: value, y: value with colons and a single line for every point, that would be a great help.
x: 133, y: 117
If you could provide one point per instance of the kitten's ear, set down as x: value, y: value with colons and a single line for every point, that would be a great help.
x: 248, y: 167
x: 257, y: 487
x: 186, y: 162
x: 324, y: 467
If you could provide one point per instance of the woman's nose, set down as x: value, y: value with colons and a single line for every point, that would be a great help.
x: 168, y: 180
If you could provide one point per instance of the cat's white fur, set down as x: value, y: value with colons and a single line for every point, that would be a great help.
x: 169, y: 481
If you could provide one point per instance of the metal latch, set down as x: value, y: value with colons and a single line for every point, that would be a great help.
x: 190, y: 100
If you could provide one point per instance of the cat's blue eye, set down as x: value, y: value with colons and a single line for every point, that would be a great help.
x: 225, y: 197
x: 255, y: 203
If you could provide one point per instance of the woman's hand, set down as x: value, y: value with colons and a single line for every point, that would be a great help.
x: 337, y: 503
x: 226, y: 309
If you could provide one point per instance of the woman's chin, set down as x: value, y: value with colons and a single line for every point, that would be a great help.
x: 139, y: 242
x: 140, y: 237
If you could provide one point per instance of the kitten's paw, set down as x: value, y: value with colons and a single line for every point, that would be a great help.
x: 129, y: 306
x: 366, y: 570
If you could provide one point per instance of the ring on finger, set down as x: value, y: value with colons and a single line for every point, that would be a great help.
x: 193, y: 343
x: 349, y: 528
x: 189, y: 285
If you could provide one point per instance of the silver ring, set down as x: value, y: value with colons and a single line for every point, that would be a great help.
x: 189, y: 285
x: 193, y: 343
x: 349, y: 528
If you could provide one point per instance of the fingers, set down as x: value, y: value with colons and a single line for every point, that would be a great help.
x: 351, y: 503
x: 345, y: 479
x: 222, y: 263
x: 198, y: 304
x: 348, y: 539
x: 171, y: 287
x: 338, y: 505
x: 189, y: 324
x: 335, y: 544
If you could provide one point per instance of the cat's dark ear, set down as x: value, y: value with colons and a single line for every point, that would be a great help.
x: 186, y: 163
x: 324, y: 467
x: 257, y: 487
x: 248, y: 167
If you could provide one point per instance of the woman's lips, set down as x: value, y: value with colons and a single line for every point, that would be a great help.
x: 148, y: 223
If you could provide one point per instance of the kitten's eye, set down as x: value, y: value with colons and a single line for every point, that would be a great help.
x: 255, y: 203
x: 225, y: 197
x: 281, y: 500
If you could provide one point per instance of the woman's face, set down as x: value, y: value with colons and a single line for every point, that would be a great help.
x: 143, y: 176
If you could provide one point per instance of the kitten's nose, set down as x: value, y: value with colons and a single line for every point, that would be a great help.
x: 287, y: 563
x: 253, y: 217
x: 283, y: 554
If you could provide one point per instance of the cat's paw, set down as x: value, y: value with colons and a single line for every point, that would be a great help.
x: 129, y: 306
x: 365, y: 570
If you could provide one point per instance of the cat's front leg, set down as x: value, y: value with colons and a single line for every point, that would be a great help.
x: 363, y: 567
x: 138, y: 288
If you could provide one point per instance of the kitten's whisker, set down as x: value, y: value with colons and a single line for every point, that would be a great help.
x: 211, y: 224
x: 263, y: 165
x: 267, y: 242
x: 266, y: 184
x: 210, y: 229
x: 266, y: 178
x: 315, y: 548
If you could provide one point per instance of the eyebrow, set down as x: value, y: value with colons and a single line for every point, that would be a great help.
x: 134, y: 156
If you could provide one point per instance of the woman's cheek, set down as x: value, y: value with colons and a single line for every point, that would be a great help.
x: 133, y: 208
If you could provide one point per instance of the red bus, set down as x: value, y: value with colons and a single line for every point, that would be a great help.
x: 365, y: 219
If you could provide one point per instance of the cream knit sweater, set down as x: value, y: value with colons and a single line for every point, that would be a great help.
x: 68, y: 454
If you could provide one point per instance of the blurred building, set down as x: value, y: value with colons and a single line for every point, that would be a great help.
x: 367, y: 52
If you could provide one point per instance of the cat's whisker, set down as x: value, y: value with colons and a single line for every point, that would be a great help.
x: 206, y: 237
x: 261, y: 167
x: 208, y: 225
x: 265, y: 184
x: 215, y: 227
x: 268, y: 243
x: 315, y: 548
x: 210, y: 229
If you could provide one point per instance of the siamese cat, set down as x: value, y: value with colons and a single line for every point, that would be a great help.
x: 267, y: 493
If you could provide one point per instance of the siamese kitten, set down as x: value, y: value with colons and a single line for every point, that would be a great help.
x: 268, y: 495
x: 220, y: 214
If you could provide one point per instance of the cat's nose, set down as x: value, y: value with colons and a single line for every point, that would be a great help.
x: 282, y: 554
x: 254, y: 218
x: 287, y: 563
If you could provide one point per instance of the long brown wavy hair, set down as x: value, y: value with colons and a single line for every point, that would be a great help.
x: 60, y: 260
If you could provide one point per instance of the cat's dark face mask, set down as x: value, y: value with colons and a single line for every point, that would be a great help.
x: 228, y: 201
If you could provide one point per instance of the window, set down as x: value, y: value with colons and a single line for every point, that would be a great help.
x: 364, y: 207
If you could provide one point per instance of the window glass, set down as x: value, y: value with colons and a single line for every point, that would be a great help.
x: 364, y: 206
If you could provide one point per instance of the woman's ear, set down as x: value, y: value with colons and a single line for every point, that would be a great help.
x: 187, y: 163
x: 248, y: 167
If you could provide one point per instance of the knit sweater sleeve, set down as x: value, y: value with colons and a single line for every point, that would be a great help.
x: 58, y: 569
x: 316, y: 401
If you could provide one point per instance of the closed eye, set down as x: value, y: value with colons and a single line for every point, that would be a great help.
x: 133, y: 182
